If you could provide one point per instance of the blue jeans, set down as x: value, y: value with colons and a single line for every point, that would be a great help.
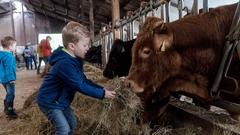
x: 10, y: 90
x: 64, y: 121
x: 28, y: 61
x: 40, y: 59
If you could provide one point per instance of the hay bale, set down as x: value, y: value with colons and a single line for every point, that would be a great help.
x: 119, y: 116
x: 31, y: 100
x: 110, y: 117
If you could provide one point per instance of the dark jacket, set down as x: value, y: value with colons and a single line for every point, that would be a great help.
x: 63, y: 80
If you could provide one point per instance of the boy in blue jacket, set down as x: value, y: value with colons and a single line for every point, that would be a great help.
x: 65, y: 78
x: 8, y: 74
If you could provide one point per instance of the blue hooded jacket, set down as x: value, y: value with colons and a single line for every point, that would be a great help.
x: 7, y: 67
x: 63, y: 80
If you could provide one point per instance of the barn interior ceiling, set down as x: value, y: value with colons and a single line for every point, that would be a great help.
x: 78, y: 10
x: 5, y: 7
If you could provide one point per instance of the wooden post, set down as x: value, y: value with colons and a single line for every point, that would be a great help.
x: 129, y: 25
x: 91, y: 18
x: 115, y: 18
x: 142, y: 17
x: 162, y: 12
x: 195, y: 7
x: 12, y: 19
x: 35, y: 29
x: 24, y: 30
x: 81, y: 10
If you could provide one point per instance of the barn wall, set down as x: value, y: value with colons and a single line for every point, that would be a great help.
x: 34, y: 23
x: 5, y: 25
x: 30, y: 28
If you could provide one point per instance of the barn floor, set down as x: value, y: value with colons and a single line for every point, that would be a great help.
x: 27, y: 83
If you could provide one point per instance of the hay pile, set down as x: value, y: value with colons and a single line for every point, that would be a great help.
x: 95, y: 117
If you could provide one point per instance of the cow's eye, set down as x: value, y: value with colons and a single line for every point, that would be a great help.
x: 145, y: 52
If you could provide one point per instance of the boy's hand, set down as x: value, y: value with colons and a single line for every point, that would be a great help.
x: 109, y: 94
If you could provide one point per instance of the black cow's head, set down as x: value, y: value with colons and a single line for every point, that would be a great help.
x: 119, y: 59
x: 94, y: 55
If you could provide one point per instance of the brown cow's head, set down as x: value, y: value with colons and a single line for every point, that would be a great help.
x: 153, y: 62
x: 153, y: 57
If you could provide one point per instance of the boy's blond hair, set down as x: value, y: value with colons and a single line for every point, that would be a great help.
x: 73, y: 32
x: 7, y: 41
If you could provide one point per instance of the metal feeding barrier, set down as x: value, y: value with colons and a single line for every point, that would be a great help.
x: 129, y: 25
x: 231, y: 46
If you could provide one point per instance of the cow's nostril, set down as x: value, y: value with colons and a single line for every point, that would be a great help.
x: 127, y: 83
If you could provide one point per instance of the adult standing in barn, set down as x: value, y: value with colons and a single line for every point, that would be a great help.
x: 65, y: 78
x: 27, y: 57
x: 8, y: 74
x: 46, y: 48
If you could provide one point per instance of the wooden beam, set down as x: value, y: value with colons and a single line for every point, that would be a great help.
x: 82, y: 10
x: 195, y: 7
x: 91, y: 18
x: 97, y: 26
x: 24, y: 29
x: 12, y: 19
x: 115, y: 18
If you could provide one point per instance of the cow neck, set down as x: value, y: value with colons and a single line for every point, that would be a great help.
x: 163, y: 101
x: 154, y: 99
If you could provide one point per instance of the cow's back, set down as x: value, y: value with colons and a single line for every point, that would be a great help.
x: 200, y: 39
x: 205, y: 29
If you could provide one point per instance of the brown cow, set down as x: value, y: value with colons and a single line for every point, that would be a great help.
x: 181, y: 56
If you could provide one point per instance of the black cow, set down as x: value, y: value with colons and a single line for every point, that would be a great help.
x: 94, y: 55
x: 119, y: 60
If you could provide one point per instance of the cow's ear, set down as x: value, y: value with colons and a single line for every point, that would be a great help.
x: 159, y: 26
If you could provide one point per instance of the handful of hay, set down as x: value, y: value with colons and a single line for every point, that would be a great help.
x: 110, y: 117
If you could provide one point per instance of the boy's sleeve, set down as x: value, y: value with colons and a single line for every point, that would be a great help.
x: 77, y: 80
x: 93, y: 84
x: 10, y: 74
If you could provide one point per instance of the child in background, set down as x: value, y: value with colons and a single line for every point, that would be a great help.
x: 8, y: 74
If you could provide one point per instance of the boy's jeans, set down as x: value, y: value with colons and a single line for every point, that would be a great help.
x: 10, y: 90
x: 64, y: 121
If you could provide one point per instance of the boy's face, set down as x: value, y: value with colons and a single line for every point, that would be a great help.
x: 12, y: 47
x: 81, y: 48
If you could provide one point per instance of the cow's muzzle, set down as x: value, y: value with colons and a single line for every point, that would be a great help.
x: 135, y: 87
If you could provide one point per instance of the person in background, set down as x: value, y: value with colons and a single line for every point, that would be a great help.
x: 65, y: 78
x: 8, y: 74
x: 27, y: 52
x: 46, y: 48
x: 33, y: 56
